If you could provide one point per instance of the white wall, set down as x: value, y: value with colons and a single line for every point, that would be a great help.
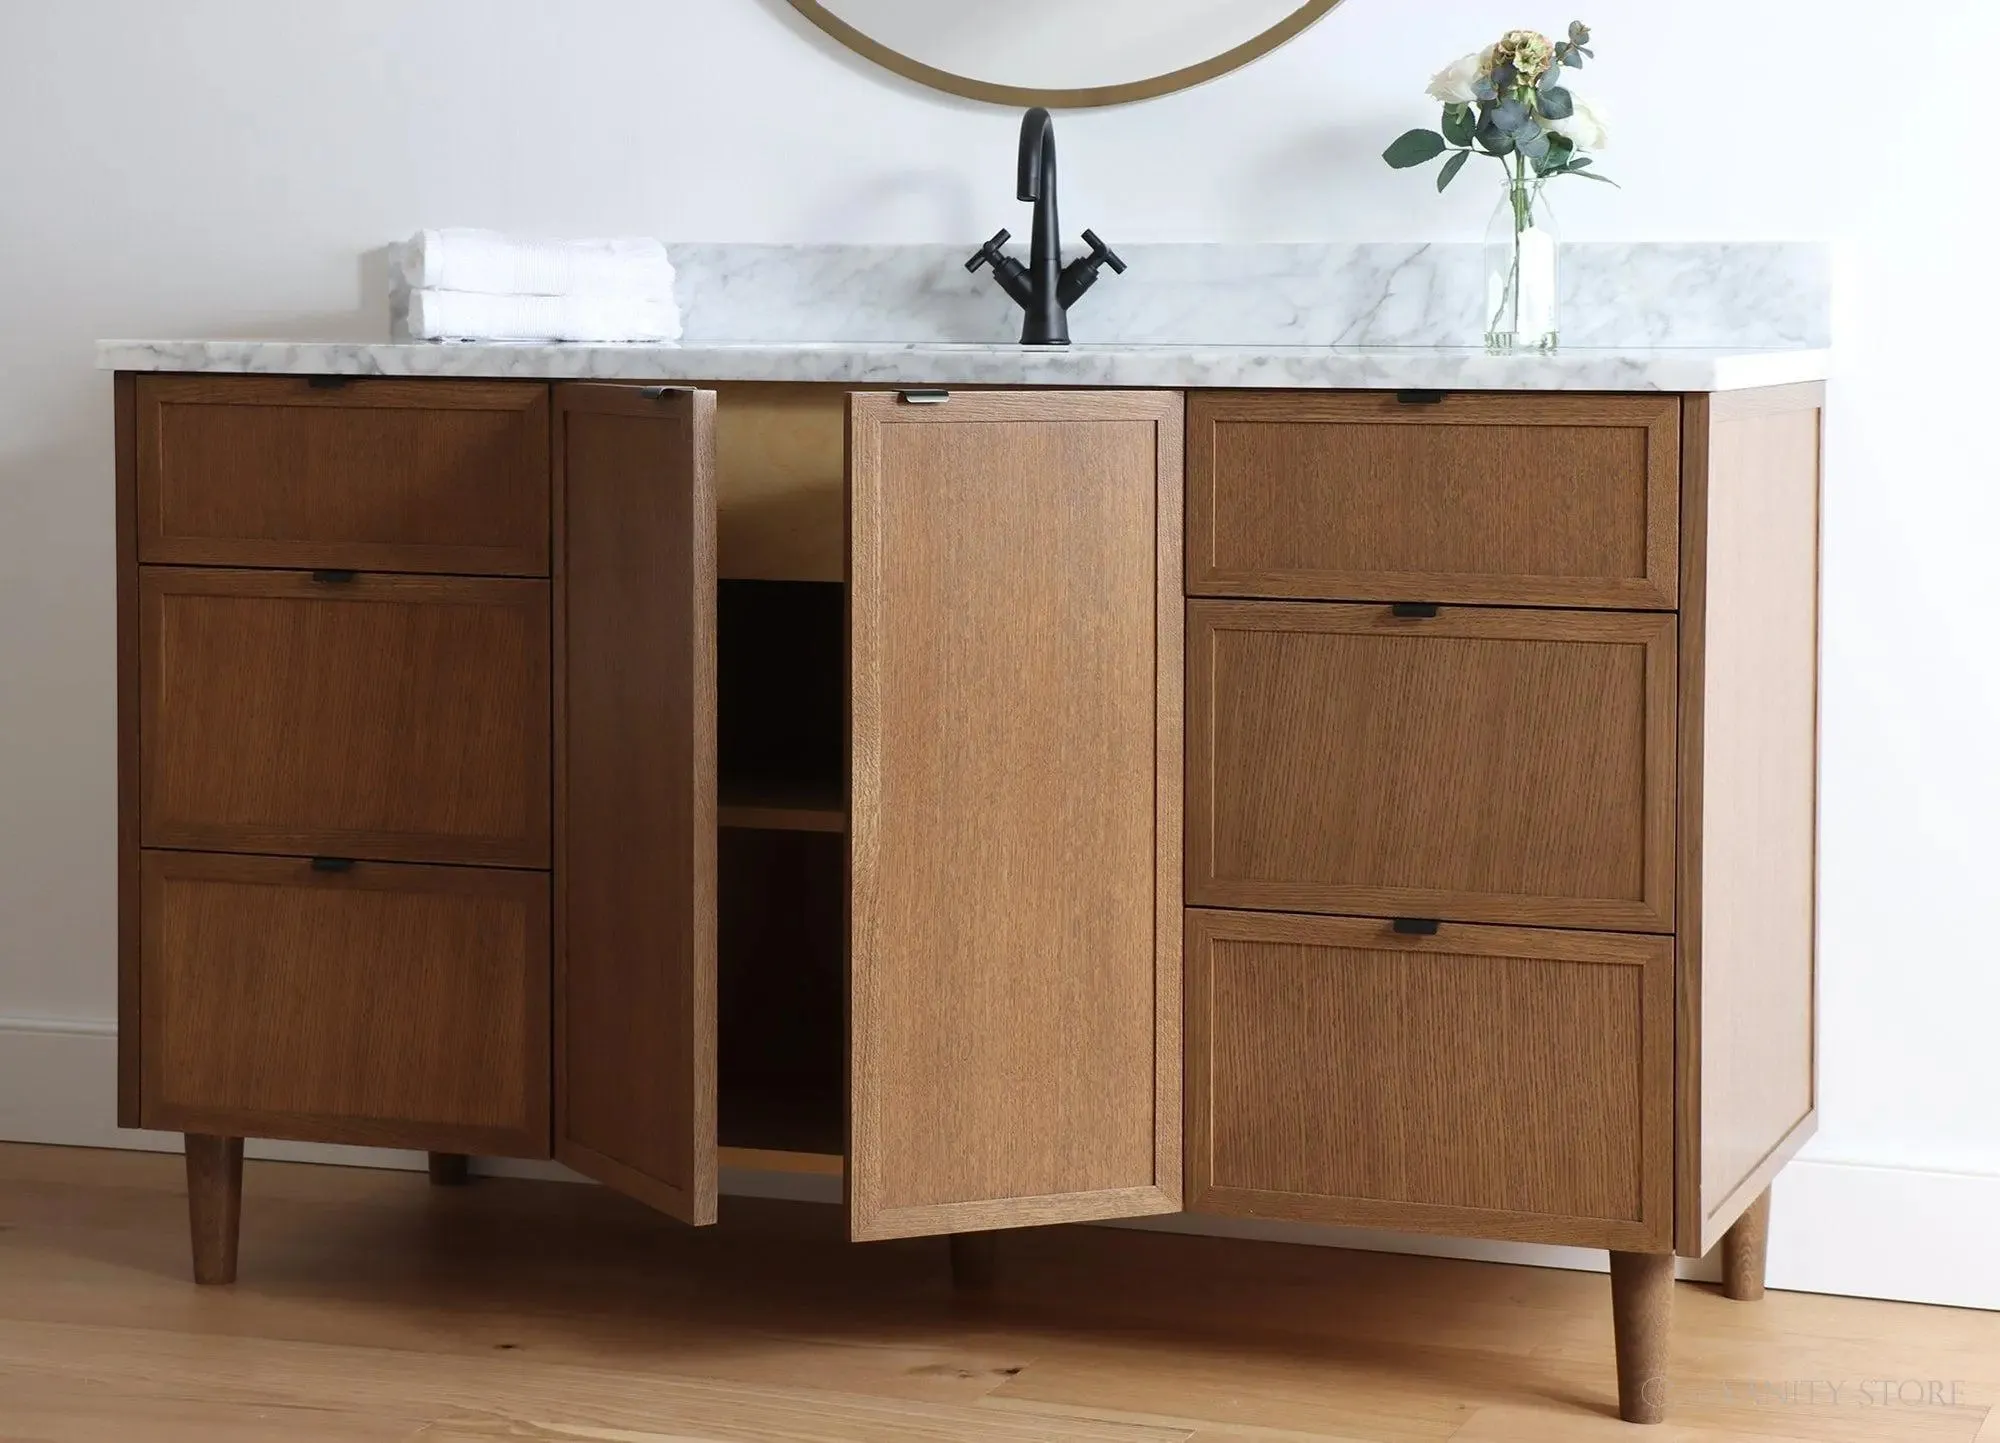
x: 217, y: 166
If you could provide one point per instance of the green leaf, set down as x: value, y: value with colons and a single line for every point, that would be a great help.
x: 1579, y: 33
x: 1579, y: 162
x: 1451, y: 169
x: 1509, y: 115
x: 1535, y: 147
x: 1592, y: 175
x: 1484, y: 89
x: 1558, y: 103
x: 1561, y: 148
x: 1459, y: 124
x: 1573, y: 58
x: 1413, y: 148
x: 1493, y: 140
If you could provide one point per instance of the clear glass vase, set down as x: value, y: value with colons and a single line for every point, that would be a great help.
x: 1523, y: 269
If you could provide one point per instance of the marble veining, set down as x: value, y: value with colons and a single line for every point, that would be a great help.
x: 1345, y: 367
x: 1668, y: 317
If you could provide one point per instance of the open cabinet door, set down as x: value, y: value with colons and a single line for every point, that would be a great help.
x: 1015, y: 618
x: 635, y: 829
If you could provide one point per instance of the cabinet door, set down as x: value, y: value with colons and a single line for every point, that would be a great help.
x: 635, y: 840
x: 1015, y: 655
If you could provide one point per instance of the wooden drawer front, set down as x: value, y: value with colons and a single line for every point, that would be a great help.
x: 444, y: 476
x: 387, y: 1004
x: 398, y: 718
x: 1508, y: 499
x: 1482, y: 765
x: 1488, y: 1081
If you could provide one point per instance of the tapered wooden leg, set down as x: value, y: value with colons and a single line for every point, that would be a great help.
x: 450, y: 1169
x: 1642, y: 1315
x: 215, y: 1204
x: 974, y: 1258
x: 1743, y: 1249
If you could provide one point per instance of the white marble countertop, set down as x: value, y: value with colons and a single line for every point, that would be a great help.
x: 869, y: 362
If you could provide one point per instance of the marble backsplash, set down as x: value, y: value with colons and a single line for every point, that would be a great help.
x: 1614, y: 295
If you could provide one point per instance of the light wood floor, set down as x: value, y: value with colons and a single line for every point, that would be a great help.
x: 374, y: 1307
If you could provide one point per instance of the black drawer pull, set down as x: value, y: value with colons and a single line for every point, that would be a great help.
x: 1413, y: 610
x: 333, y: 575
x: 333, y: 864
x: 1416, y: 926
x: 1420, y: 398
x: 328, y: 383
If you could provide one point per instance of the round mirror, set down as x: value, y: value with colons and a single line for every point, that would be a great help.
x: 1062, y: 53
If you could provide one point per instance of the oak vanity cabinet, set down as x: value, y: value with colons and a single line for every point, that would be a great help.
x: 467, y: 809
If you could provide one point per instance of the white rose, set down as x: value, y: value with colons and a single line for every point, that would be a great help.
x: 1586, y: 125
x: 1453, y: 84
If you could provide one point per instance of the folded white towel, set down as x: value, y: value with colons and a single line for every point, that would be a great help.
x: 490, y: 263
x: 435, y: 315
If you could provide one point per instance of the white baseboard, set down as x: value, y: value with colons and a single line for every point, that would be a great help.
x: 1838, y: 1227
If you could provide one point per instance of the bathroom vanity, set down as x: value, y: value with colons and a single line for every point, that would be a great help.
x: 1368, y: 789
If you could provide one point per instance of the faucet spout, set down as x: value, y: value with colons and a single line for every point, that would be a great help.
x: 1046, y: 324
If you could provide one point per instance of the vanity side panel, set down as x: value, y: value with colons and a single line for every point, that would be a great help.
x: 125, y: 408
x: 1747, y: 1093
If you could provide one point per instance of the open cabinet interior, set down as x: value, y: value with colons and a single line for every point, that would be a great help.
x: 781, y: 872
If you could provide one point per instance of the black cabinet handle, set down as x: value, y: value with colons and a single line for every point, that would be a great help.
x: 1413, y: 610
x: 328, y: 383
x: 1416, y: 926
x: 332, y: 575
x: 1420, y: 398
x: 333, y: 864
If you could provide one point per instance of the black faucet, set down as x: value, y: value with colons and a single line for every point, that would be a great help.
x: 1045, y: 288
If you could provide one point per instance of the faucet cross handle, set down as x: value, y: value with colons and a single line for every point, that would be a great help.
x: 1081, y: 274
x: 990, y: 252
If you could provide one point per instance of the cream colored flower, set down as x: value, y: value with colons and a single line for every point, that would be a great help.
x: 1531, y: 52
x: 1586, y: 125
x: 1453, y: 84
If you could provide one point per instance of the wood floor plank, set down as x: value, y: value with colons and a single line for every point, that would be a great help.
x: 373, y: 1308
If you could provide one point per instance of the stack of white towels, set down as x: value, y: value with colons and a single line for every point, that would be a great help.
x: 480, y: 285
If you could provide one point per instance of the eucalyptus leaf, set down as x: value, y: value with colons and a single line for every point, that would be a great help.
x: 1459, y: 124
x: 1592, y: 175
x: 1413, y: 148
x: 1573, y: 58
x: 1579, y: 33
x: 1505, y: 76
x: 1494, y: 141
x: 1558, y: 103
x: 1534, y: 147
x: 1484, y: 89
x: 1451, y: 169
x: 1555, y: 160
x: 1509, y: 115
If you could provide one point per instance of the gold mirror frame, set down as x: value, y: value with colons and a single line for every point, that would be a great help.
x: 1078, y: 99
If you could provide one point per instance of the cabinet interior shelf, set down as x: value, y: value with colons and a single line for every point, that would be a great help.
x: 763, y: 806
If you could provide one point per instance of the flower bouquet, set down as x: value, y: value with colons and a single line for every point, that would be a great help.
x: 1510, y: 101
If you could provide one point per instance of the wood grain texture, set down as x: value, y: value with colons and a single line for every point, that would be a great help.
x: 373, y: 475
x: 781, y: 481
x: 125, y: 509
x: 215, y: 1204
x: 1642, y: 1321
x: 1518, y: 499
x: 390, y: 1005
x: 1744, y: 1248
x: 389, y: 717
x: 1485, y: 765
x: 1749, y: 799
x: 1015, y: 836
x: 1485, y: 1082
x: 636, y: 793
